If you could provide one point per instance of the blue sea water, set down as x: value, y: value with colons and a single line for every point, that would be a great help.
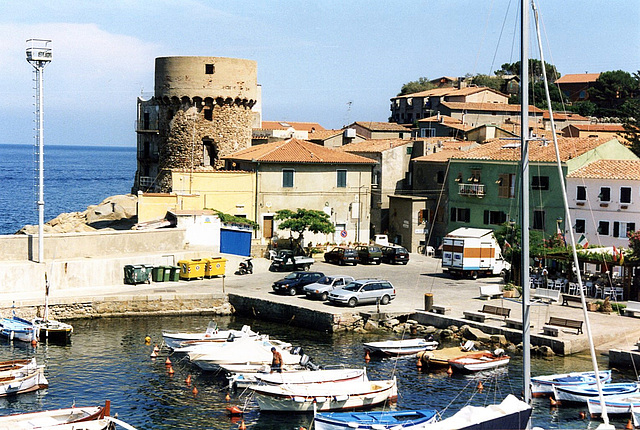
x: 74, y: 178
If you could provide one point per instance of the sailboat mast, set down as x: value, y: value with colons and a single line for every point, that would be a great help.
x: 524, y: 199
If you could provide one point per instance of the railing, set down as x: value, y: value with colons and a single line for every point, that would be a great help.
x: 147, y: 126
x: 471, y: 190
x: 145, y: 181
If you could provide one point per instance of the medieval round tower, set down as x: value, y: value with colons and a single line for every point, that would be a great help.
x: 202, y: 111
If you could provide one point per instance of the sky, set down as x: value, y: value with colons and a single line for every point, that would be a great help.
x: 327, y: 61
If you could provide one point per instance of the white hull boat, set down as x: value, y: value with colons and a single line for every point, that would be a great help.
x: 400, y: 347
x: 174, y: 340
x: 106, y: 423
x: 28, y: 381
x: 543, y: 385
x: 313, y: 376
x: 478, y: 362
x: 324, y: 397
x: 615, y: 404
x: 241, y: 351
x: 51, y: 418
x: 582, y: 393
x: 52, y: 330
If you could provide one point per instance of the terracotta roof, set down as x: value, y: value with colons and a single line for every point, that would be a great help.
x: 296, y: 151
x: 509, y: 150
x: 443, y: 155
x: 564, y: 116
x: 443, y: 118
x: 448, y: 91
x: 628, y: 170
x: 487, y: 106
x: 375, y: 145
x: 323, y: 134
x: 612, y: 128
x: 578, y: 78
x: 380, y: 126
x: 473, y: 90
x: 284, y: 125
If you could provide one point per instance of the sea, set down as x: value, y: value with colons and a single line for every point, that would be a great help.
x: 109, y: 359
x: 75, y: 177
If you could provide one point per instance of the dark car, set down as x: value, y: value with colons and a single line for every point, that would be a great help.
x: 369, y: 253
x: 341, y: 255
x: 294, y: 282
x: 395, y: 254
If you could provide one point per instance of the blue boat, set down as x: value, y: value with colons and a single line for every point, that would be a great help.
x: 17, y: 328
x: 411, y: 419
x: 582, y: 393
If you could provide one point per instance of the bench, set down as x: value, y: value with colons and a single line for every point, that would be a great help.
x: 490, y: 291
x: 442, y: 310
x: 555, y: 323
x: 487, y: 310
x: 632, y: 308
x: 546, y: 294
x: 566, y: 298
x: 516, y: 324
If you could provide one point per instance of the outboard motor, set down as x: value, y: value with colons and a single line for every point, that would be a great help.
x: 297, y: 351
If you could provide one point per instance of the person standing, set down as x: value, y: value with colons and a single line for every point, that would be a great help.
x: 276, y: 362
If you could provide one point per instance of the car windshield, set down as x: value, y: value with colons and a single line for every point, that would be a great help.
x: 353, y: 286
x: 292, y: 276
x: 325, y: 280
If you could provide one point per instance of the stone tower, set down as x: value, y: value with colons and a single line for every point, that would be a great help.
x: 201, y: 110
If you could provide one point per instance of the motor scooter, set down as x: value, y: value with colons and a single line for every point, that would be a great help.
x: 245, y: 267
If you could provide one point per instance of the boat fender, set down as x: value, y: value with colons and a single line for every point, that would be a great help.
x: 234, y: 410
x: 499, y: 352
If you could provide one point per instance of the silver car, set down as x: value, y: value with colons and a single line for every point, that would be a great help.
x: 323, y: 286
x: 364, y: 291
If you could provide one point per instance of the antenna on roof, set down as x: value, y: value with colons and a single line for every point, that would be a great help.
x: 348, y: 115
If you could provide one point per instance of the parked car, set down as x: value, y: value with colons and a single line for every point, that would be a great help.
x: 364, y: 291
x: 294, y: 282
x: 286, y: 260
x: 395, y: 254
x: 325, y: 285
x: 341, y: 255
x: 369, y: 254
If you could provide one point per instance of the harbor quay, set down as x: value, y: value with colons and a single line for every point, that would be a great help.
x: 418, y: 284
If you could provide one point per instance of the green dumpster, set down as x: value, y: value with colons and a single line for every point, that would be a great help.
x: 166, y: 273
x: 175, y: 273
x: 157, y: 274
x: 135, y: 274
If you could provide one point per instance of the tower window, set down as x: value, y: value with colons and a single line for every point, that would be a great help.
x: 208, y: 114
x: 209, y: 69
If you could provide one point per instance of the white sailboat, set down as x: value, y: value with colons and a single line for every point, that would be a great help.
x: 48, y: 329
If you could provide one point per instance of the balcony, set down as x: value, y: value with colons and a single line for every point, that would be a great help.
x: 471, y: 190
x: 147, y: 127
x: 145, y: 181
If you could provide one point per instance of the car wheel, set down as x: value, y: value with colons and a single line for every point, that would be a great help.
x: 306, y: 267
x: 378, y: 262
x: 326, y: 260
x: 324, y: 297
x: 340, y: 262
x: 405, y: 262
x: 292, y: 291
x: 474, y: 275
x: 385, y: 300
x: 355, y: 263
x: 352, y: 302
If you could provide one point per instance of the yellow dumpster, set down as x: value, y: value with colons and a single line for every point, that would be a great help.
x: 215, y: 266
x: 191, y: 269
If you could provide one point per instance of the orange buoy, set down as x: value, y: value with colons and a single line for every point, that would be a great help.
x: 147, y: 340
x: 241, y: 426
x: 366, y: 355
x: 582, y: 415
x: 170, y: 370
x: 419, y: 364
x: 449, y: 371
x: 154, y: 354
x: 227, y: 397
x: 34, y: 342
x: 629, y: 424
x: 553, y: 401
x: 188, y: 380
x: 156, y: 348
x: 167, y: 362
x: 234, y: 410
x: 194, y: 391
x: 480, y: 386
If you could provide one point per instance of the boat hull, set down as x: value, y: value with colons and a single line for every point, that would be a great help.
x: 542, y: 386
x: 478, y: 362
x: 615, y: 405
x: 325, y: 397
x: 53, y: 417
x: 582, y: 394
x: 32, y: 381
x: 400, y: 347
x: 16, y: 328
x: 405, y: 420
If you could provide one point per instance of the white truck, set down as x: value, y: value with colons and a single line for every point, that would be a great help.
x: 472, y: 252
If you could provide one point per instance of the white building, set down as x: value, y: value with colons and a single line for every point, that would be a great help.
x: 604, y: 200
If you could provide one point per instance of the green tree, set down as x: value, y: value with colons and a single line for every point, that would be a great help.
x: 302, y: 220
x: 535, y: 70
x: 585, y: 108
x: 632, y: 125
x: 611, y: 90
x: 495, y: 82
x: 422, y: 84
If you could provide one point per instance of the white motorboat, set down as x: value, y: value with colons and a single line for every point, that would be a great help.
x: 622, y: 404
x: 582, y: 393
x: 330, y: 396
x: 479, y: 361
x: 295, y: 375
x: 400, y: 347
x: 543, y: 385
x: 242, y: 351
x: 212, y: 333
